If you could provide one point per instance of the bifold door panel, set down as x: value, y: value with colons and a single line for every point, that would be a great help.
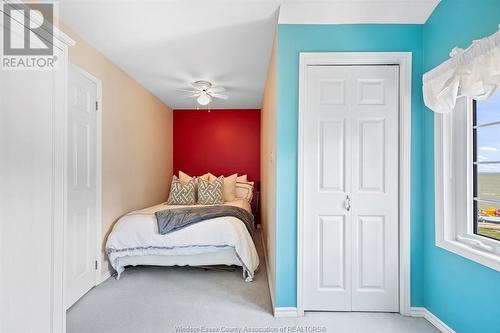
x: 350, y: 177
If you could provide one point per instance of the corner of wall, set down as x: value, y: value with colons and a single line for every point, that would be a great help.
x: 268, y: 170
x: 455, y: 289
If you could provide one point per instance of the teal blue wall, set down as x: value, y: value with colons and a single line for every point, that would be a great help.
x: 462, y: 293
x: 293, y: 39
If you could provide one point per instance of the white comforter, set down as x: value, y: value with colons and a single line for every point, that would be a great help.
x: 136, y: 234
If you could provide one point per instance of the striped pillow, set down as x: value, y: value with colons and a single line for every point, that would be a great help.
x: 229, y: 189
x: 182, y: 194
x: 211, y: 193
x: 244, y: 190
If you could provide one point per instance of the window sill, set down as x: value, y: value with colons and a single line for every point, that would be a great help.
x: 470, y: 252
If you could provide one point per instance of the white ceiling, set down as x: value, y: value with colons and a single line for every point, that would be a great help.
x: 356, y: 11
x: 165, y: 45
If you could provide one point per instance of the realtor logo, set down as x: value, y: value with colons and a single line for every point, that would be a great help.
x: 28, y: 34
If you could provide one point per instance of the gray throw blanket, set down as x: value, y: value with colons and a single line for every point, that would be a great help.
x: 171, y: 220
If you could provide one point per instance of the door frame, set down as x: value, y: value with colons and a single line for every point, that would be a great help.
x: 404, y: 60
x: 100, y: 273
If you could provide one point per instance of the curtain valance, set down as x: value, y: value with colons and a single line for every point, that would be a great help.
x: 473, y: 72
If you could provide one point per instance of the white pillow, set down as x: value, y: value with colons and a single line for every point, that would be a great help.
x: 242, y: 179
x: 185, y: 178
x: 229, y: 186
x: 244, y: 190
x: 205, y: 177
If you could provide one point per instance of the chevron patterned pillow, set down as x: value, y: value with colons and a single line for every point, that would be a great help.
x: 182, y: 194
x: 211, y: 193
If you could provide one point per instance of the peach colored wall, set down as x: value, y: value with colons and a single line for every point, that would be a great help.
x: 136, y: 137
x: 268, y: 167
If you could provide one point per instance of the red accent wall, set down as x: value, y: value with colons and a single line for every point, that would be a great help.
x: 220, y: 141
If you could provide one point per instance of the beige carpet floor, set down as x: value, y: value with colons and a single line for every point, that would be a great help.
x: 187, y: 299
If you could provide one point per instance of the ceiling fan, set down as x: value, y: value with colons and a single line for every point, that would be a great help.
x: 205, y: 92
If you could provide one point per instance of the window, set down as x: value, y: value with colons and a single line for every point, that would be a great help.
x: 467, y: 180
x: 486, y: 167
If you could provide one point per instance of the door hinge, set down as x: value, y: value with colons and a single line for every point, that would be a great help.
x: 96, y: 265
x: 96, y: 105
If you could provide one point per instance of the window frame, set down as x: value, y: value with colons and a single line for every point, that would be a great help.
x: 454, y: 187
x: 475, y: 205
x: 475, y: 166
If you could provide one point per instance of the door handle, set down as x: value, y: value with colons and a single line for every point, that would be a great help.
x: 348, y: 203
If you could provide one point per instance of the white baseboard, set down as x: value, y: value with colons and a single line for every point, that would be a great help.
x: 415, y: 312
x: 281, y: 312
x: 431, y: 318
x: 286, y: 312
x: 269, y: 279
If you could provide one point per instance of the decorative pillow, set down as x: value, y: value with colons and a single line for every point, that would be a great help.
x: 242, y: 179
x: 185, y: 178
x: 229, y: 186
x: 204, y: 177
x: 211, y: 177
x: 182, y: 194
x: 211, y: 193
x: 244, y: 190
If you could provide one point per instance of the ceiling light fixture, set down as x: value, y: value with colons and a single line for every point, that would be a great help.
x: 205, y: 92
x: 204, y: 98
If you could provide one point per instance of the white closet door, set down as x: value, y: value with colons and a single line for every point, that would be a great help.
x: 327, y: 180
x: 81, y: 232
x: 350, y: 177
x: 374, y: 215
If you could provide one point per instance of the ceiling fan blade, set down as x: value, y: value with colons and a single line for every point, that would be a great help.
x: 216, y: 89
x: 189, y: 91
x: 219, y: 96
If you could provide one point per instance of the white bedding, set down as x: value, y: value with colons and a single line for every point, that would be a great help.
x: 136, y: 234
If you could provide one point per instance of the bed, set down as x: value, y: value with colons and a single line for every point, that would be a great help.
x: 135, y: 240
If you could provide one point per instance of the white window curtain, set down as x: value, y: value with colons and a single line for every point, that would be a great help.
x: 473, y: 72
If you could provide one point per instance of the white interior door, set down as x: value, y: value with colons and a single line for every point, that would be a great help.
x: 81, y: 226
x: 350, y: 179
